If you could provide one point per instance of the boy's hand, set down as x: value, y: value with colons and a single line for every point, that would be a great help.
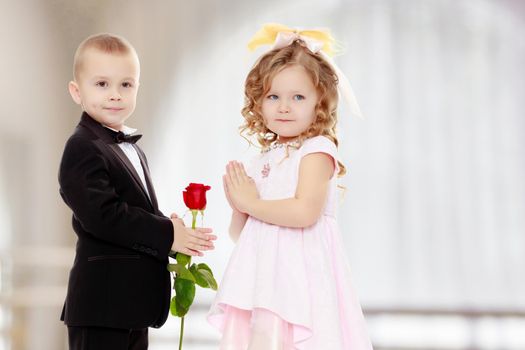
x: 240, y: 189
x: 191, y: 242
x: 175, y: 216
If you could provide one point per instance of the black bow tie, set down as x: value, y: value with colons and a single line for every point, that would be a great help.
x: 121, y: 137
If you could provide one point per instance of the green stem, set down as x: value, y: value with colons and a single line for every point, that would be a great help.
x: 193, y: 224
x: 194, y: 218
x: 181, y: 332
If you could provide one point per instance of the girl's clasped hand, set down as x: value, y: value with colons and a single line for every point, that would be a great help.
x: 240, y: 189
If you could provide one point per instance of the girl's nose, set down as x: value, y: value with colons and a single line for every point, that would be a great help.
x: 284, y: 107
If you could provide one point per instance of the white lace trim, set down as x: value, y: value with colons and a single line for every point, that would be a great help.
x: 293, y: 144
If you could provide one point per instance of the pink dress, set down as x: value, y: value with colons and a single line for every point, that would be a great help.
x: 289, y: 288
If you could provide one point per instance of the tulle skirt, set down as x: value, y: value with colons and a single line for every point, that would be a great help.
x: 285, y: 286
x: 259, y: 329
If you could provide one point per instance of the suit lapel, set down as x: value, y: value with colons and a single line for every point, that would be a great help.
x: 130, y: 168
x: 106, y: 139
x: 147, y: 176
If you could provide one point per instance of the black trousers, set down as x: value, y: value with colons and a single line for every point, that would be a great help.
x: 99, y: 338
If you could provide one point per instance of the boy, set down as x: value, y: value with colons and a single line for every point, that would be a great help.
x: 118, y: 285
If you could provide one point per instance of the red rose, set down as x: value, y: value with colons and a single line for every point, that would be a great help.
x: 195, y: 196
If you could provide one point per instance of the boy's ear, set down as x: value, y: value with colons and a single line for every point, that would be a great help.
x: 74, y: 92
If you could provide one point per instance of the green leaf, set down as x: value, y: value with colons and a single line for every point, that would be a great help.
x: 205, y: 267
x: 206, y: 273
x: 199, y: 279
x: 182, y: 311
x: 173, y: 306
x: 176, y: 309
x: 183, y: 259
x: 208, y: 276
x: 184, y: 292
x: 181, y: 271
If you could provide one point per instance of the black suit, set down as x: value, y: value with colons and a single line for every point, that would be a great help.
x: 119, y: 278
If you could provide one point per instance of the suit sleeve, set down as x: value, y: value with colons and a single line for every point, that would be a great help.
x: 87, y: 188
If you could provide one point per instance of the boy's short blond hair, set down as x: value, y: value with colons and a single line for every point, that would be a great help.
x: 104, y: 42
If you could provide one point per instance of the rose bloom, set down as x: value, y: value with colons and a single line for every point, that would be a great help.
x: 195, y: 196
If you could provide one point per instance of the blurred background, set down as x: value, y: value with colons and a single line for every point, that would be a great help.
x: 433, y: 216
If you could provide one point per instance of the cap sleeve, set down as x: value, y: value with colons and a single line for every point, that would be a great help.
x: 321, y: 144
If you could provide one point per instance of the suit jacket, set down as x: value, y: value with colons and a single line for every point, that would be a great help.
x: 119, y: 277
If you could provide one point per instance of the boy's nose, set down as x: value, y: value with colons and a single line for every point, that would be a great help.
x: 115, y: 96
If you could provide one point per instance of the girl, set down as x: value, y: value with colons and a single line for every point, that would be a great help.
x: 287, y: 283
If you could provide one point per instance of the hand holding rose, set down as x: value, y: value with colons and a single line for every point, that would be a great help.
x: 191, y: 241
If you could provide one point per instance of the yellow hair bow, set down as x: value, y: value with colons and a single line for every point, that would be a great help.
x: 280, y: 36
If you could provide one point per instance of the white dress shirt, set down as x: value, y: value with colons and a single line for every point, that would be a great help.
x: 132, y: 155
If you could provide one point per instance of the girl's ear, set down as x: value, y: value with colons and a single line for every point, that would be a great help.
x: 74, y: 91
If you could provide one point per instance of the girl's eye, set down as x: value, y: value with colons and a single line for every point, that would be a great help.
x: 127, y: 85
x: 298, y: 97
x: 102, y: 83
x: 272, y: 97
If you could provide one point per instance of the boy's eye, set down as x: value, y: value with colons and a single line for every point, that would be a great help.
x: 272, y: 97
x: 298, y: 97
x: 127, y: 85
x: 102, y: 83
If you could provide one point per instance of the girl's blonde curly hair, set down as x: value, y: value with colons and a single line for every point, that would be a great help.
x: 258, y: 83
